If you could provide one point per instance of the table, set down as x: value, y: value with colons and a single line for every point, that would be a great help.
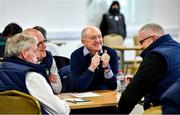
x: 122, y: 49
x: 107, y: 98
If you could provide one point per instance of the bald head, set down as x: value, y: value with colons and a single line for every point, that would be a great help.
x: 91, y: 38
x: 87, y: 30
x: 34, y: 32
x: 41, y: 41
x: 149, y: 33
x: 153, y: 28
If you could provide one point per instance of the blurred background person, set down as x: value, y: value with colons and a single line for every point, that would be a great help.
x: 113, y: 22
x: 10, y: 30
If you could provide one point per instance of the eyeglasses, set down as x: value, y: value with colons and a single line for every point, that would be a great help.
x: 42, y: 43
x: 142, y: 41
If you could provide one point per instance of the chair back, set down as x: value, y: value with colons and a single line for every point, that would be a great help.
x: 16, y: 102
x: 157, y: 110
x: 136, y: 43
x: 113, y: 40
x: 61, y: 61
x: 63, y: 65
x: 132, y: 68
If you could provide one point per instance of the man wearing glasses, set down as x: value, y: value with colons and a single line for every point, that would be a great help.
x: 159, y: 69
x: 45, y: 58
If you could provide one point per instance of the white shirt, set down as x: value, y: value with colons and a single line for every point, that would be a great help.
x: 42, y: 91
x: 57, y: 87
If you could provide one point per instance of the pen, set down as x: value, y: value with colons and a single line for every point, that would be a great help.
x: 71, y: 101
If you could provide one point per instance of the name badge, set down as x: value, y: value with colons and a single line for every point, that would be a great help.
x: 116, y: 18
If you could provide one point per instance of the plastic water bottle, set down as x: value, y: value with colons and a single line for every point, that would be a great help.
x: 120, y: 81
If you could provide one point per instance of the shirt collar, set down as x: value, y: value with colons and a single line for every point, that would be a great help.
x: 86, y: 51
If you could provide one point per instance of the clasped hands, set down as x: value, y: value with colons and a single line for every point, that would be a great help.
x: 53, y: 78
x: 95, y: 61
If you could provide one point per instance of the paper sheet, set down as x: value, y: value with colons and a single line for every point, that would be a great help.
x: 85, y: 94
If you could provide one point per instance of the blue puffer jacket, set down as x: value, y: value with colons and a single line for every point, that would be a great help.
x: 13, y: 74
x: 170, y: 50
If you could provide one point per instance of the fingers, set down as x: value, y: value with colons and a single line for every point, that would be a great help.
x: 128, y: 79
x: 105, y: 51
x: 95, y: 61
x: 105, y: 59
x: 52, y: 78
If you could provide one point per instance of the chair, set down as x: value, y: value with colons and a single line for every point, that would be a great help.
x: 63, y: 65
x: 16, y: 102
x: 113, y: 40
x: 61, y: 61
x: 157, y: 110
x: 131, y: 67
x: 136, y: 43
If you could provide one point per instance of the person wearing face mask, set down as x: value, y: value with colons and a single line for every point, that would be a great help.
x: 113, y: 22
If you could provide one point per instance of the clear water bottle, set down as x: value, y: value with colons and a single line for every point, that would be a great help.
x: 120, y: 81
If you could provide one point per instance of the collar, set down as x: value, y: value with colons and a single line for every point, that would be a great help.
x: 161, y: 40
x: 86, y: 51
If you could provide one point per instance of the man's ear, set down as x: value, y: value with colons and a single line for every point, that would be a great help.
x: 23, y: 54
x: 83, y: 41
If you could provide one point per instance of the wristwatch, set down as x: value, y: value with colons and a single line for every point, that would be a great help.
x: 107, y: 69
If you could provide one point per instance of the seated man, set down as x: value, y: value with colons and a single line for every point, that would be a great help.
x: 159, y: 69
x: 20, y: 72
x: 64, y: 71
x: 45, y: 58
x: 93, y: 66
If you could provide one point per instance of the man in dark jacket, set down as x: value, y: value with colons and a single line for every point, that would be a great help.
x: 159, y: 69
x: 113, y: 22
x: 93, y: 66
x: 21, y: 72
x: 45, y: 58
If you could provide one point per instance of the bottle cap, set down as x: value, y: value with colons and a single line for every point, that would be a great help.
x: 120, y: 71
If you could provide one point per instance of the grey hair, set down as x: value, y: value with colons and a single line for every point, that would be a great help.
x: 83, y: 32
x: 16, y: 43
x: 155, y: 28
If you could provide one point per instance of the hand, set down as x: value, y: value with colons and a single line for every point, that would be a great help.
x: 105, y: 59
x: 60, y: 96
x: 128, y: 79
x: 53, y: 78
x: 95, y: 61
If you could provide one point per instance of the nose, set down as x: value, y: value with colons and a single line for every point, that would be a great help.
x: 37, y: 54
